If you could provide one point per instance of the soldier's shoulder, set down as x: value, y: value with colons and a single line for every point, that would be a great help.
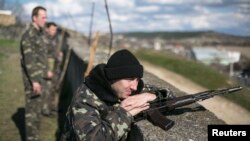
x: 25, y: 34
x: 84, y: 95
x: 29, y: 33
x: 82, y: 89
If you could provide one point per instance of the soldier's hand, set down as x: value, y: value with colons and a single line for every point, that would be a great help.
x: 60, y: 56
x: 50, y: 74
x: 37, y: 88
x: 137, y: 110
x: 136, y: 101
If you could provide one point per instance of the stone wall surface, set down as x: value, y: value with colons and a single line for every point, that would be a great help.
x: 190, y: 121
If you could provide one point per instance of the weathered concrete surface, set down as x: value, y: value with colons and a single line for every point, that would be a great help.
x: 190, y: 121
x: 216, y: 105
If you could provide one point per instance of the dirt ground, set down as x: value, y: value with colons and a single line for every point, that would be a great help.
x: 225, y: 110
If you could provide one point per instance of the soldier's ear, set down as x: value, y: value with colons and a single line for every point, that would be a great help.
x: 34, y: 18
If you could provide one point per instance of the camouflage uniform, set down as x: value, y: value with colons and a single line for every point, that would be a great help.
x: 34, y: 69
x: 49, y: 97
x: 96, y: 115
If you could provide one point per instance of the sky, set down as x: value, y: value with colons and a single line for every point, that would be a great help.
x: 226, y: 16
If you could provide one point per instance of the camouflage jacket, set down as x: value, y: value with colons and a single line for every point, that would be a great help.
x: 52, y: 52
x: 33, y: 54
x: 89, y: 118
x: 51, y: 45
x: 94, y: 117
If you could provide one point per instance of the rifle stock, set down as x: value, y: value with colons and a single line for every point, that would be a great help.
x: 154, y: 113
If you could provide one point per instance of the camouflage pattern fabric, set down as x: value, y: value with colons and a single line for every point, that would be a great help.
x: 51, y: 46
x: 55, y: 64
x: 34, y: 54
x: 50, y: 95
x: 32, y: 117
x: 161, y: 93
x: 34, y: 69
x: 89, y: 118
x: 32, y: 113
x: 46, y: 98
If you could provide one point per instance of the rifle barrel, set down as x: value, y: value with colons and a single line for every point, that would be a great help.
x: 164, y: 105
x: 169, y: 104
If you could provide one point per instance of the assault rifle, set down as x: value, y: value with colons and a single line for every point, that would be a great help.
x: 154, y: 113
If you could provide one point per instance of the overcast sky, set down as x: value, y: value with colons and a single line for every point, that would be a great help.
x: 227, y: 16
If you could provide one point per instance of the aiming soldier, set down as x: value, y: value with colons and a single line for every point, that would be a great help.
x: 104, y: 105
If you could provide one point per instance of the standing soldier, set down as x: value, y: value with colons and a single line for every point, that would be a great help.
x: 34, y: 70
x: 53, y: 54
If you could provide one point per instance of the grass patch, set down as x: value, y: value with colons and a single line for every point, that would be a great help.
x: 8, y: 46
x: 242, y: 98
x: 8, y: 42
x: 11, y: 91
x: 197, y: 72
x: 12, y: 99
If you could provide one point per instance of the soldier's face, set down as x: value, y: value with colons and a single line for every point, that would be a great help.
x: 52, y: 30
x: 41, y: 18
x: 124, y: 87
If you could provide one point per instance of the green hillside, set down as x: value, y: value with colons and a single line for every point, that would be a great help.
x: 197, y: 72
x: 164, y: 35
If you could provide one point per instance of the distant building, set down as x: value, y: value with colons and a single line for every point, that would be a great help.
x: 209, y: 55
x: 157, y: 44
x: 6, y: 18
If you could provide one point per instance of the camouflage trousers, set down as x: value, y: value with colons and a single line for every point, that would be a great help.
x: 32, y: 114
x: 49, y: 103
x: 33, y: 118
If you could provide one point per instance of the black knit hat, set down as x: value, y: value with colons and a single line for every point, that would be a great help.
x: 123, y: 64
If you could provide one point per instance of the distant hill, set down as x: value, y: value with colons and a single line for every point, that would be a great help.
x: 178, y: 35
x: 164, y: 35
x: 198, y: 38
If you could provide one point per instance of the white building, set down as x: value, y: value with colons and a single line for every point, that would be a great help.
x: 208, y: 55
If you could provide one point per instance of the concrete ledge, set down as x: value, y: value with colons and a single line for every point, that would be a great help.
x: 190, y: 121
